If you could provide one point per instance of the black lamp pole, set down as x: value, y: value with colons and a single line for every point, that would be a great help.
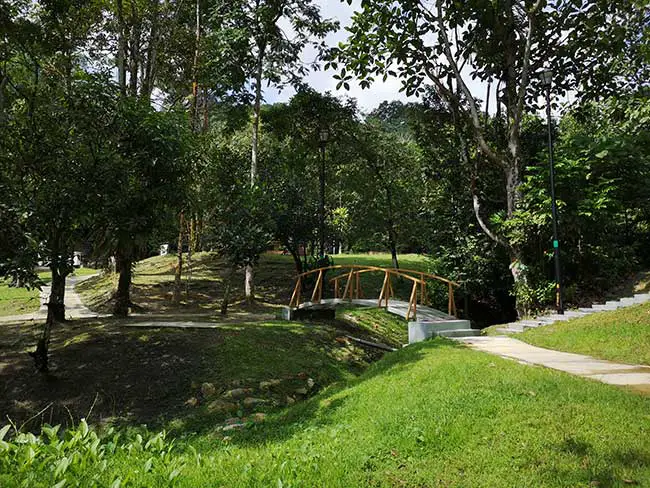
x: 547, y: 77
x: 323, y: 136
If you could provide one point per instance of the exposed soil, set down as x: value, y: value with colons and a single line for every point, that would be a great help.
x: 106, y: 372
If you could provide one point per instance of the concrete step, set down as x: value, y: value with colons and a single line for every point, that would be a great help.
x: 510, y: 329
x: 627, y: 301
x: 436, y: 325
x: 515, y: 326
x: 574, y: 314
x: 604, y: 307
x: 555, y: 318
x: 531, y: 322
x: 535, y: 326
x: 459, y: 333
x: 641, y: 297
x: 587, y: 310
x: 419, y: 331
x: 613, y: 303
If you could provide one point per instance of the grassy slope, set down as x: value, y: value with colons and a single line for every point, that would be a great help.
x: 384, y: 327
x: 145, y: 375
x: 620, y: 335
x: 435, y: 414
x: 153, y: 281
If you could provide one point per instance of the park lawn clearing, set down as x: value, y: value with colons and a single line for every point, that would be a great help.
x: 433, y: 414
x: 17, y: 301
x: 153, y: 282
x: 621, y: 335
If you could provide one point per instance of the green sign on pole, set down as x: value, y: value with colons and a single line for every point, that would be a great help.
x: 556, y: 244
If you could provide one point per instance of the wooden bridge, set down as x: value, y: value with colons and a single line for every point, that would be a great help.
x: 346, y: 288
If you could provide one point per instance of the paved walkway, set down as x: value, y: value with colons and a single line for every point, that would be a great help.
x: 74, y: 308
x: 606, y: 371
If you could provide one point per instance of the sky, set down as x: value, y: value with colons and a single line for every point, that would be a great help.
x: 379, y: 91
x: 323, y: 81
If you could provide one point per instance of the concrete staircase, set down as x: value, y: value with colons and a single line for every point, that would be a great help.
x: 543, y: 320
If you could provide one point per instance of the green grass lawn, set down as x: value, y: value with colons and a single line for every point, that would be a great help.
x: 383, y: 326
x: 434, y: 414
x: 153, y: 282
x: 620, y: 335
x: 16, y: 301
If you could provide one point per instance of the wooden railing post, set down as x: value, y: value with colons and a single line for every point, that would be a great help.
x: 358, y: 287
x: 413, y: 302
x: 319, y: 283
x: 347, y: 285
x: 423, y: 287
x: 295, y: 297
x: 451, y: 306
x: 384, y: 289
x: 336, y: 287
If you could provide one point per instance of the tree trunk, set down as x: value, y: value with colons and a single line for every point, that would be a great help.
x: 226, y: 293
x: 56, y: 302
x: 393, y: 254
x: 122, y: 295
x: 256, y: 115
x: 190, y: 240
x: 249, y: 287
x: 121, y: 48
x: 296, y: 259
x: 134, y: 51
x: 152, y: 51
x: 179, y: 264
x: 41, y: 354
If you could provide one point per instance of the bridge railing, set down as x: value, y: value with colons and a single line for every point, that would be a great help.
x: 353, y: 290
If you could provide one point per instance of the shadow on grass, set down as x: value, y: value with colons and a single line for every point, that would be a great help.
x: 133, y: 376
x: 321, y: 410
x: 605, y: 477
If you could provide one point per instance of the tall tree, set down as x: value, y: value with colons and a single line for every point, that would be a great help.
x: 505, y: 44
x: 146, y: 171
x: 265, y: 39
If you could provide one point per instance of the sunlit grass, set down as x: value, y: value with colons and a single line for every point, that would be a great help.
x: 435, y: 414
x: 620, y: 335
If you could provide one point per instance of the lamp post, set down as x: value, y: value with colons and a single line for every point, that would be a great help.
x: 323, y: 137
x: 547, y: 79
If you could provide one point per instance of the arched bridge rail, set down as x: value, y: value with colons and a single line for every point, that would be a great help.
x: 353, y: 290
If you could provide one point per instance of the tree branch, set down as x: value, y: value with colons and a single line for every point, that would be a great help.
x: 473, y: 109
x: 525, y: 69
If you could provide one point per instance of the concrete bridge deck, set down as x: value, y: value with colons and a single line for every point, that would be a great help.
x: 427, y: 323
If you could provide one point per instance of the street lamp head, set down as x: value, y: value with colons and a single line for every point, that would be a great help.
x: 547, y: 77
x: 324, y: 135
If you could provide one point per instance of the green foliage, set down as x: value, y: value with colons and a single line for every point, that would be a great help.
x: 239, y: 225
x: 145, y: 165
x: 241, y: 231
x: 81, y: 457
x: 602, y: 179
